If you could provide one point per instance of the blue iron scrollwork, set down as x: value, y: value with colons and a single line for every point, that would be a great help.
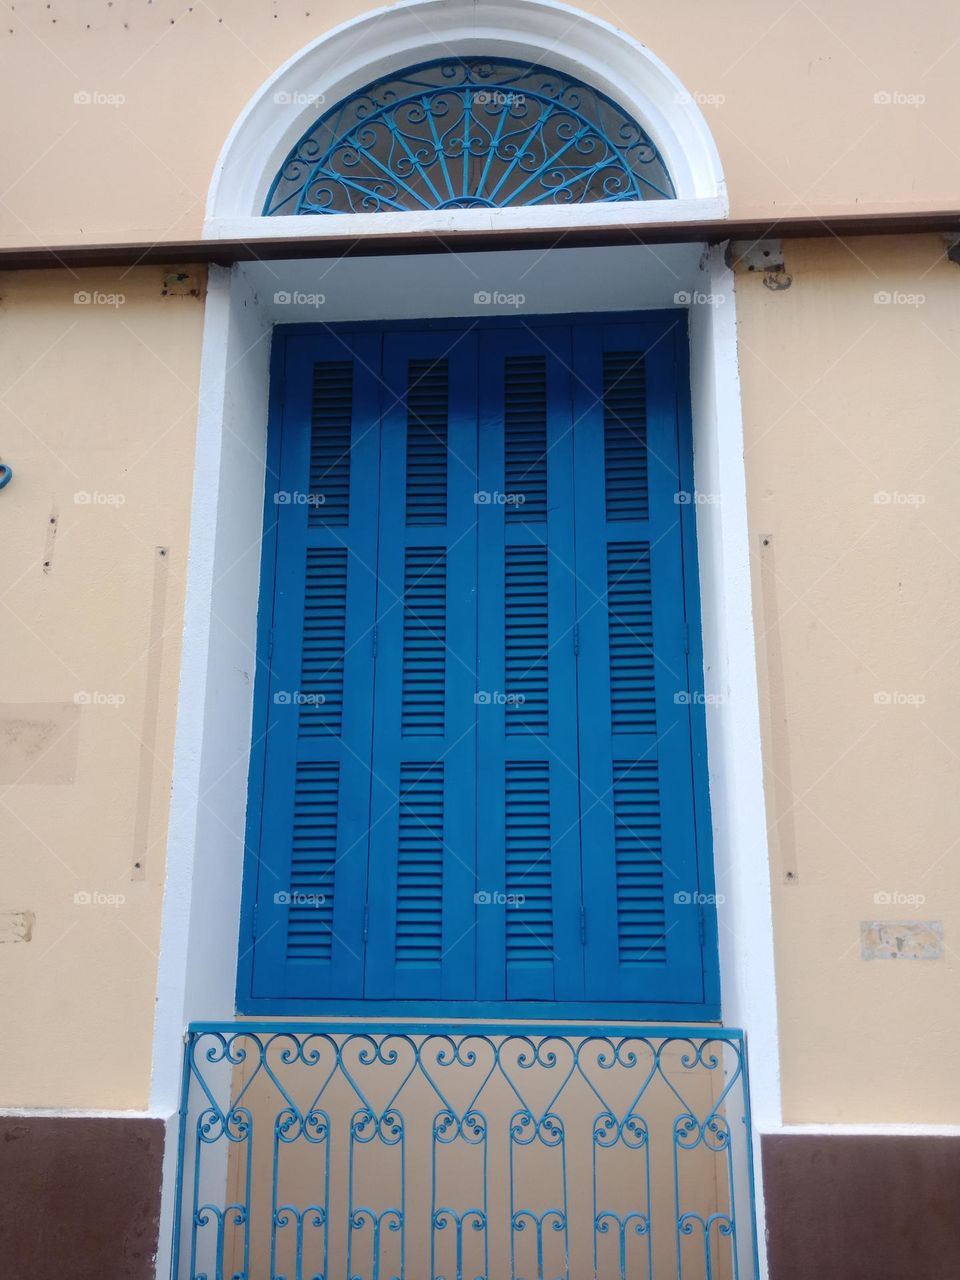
x: 320, y: 1153
x: 471, y: 133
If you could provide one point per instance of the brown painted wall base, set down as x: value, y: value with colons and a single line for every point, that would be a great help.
x: 79, y: 1198
x: 862, y: 1208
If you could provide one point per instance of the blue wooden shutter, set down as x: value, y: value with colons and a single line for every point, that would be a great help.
x: 421, y: 939
x: 528, y: 913
x: 637, y: 794
x: 312, y: 862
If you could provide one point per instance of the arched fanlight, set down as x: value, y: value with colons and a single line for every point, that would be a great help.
x: 469, y: 133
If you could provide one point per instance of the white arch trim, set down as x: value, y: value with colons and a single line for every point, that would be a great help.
x: 350, y: 56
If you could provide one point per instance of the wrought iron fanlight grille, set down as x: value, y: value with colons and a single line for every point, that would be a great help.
x: 466, y: 134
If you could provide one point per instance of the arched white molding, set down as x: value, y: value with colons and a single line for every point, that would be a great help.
x: 352, y: 55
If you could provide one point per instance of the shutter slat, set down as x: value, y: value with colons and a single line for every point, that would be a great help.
x: 526, y: 640
x: 525, y: 439
x: 630, y: 608
x: 625, y: 435
x: 427, y: 399
x: 641, y: 920
x: 313, y: 864
x: 424, y: 641
x: 324, y: 641
x: 331, y: 418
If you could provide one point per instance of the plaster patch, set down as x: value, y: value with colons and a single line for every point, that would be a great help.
x: 16, y: 926
x: 901, y: 940
x: 39, y: 742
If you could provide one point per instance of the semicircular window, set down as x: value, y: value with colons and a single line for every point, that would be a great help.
x: 466, y: 134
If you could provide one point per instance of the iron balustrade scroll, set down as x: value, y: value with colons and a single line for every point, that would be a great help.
x: 469, y: 133
x: 311, y: 1153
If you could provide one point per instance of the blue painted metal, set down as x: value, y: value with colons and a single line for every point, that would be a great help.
x: 337, y: 1152
x: 469, y: 133
x: 6, y: 475
x: 448, y: 599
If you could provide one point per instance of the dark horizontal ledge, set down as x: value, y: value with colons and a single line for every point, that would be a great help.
x: 226, y: 252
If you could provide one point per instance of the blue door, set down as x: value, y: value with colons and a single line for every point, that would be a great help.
x: 478, y: 780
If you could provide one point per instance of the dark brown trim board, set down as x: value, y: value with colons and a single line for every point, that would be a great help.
x: 862, y: 1208
x: 314, y: 244
x: 79, y: 1198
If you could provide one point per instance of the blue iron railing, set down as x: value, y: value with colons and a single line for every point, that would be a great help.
x: 313, y: 1153
x: 468, y: 133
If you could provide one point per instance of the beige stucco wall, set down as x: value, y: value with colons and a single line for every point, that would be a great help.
x: 844, y: 398
x: 98, y: 405
x: 851, y: 410
x: 789, y: 92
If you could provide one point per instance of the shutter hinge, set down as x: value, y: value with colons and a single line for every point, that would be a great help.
x: 576, y: 638
x: 270, y: 644
x: 701, y: 925
x: 375, y: 638
x: 583, y: 925
x: 366, y: 923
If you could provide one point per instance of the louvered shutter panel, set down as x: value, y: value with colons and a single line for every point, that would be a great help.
x: 637, y: 826
x: 421, y: 939
x: 311, y: 868
x: 528, y: 912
